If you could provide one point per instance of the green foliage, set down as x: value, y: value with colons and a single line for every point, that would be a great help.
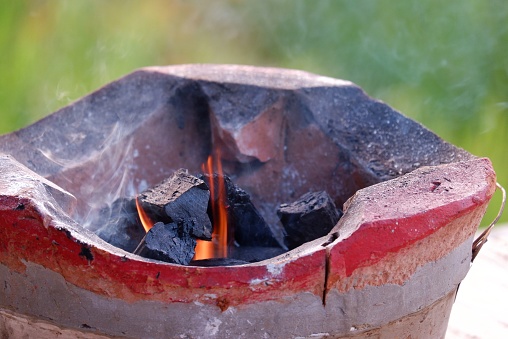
x: 443, y: 63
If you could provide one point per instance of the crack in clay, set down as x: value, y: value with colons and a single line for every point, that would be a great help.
x: 327, y: 268
x: 333, y: 237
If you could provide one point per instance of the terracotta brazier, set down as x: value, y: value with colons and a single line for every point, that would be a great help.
x: 389, y: 268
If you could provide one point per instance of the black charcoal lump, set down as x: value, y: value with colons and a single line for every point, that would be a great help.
x: 169, y: 242
x: 119, y: 224
x: 182, y: 199
x: 178, y: 206
x: 249, y: 227
x: 310, y: 217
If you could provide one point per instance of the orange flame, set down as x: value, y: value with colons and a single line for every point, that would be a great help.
x: 145, y: 220
x: 218, y: 247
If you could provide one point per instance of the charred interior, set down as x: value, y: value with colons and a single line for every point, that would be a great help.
x: 248, y: 202
x: 278, y: 136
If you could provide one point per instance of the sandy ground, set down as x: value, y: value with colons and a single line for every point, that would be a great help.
x: 481, y: 307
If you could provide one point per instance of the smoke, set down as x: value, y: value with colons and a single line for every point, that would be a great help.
x: 99, y: 178
x: 441, y: 63
x: 429, y: 59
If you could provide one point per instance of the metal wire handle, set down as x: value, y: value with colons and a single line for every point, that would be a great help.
x: 482, y: 239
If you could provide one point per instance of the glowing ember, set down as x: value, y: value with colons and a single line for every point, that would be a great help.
x: 145, y: 220
x: 218, y: 247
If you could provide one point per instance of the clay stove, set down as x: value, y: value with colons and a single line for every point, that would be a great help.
x: 389, y: 268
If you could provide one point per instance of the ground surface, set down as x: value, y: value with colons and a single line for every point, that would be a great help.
x: 481, y: 308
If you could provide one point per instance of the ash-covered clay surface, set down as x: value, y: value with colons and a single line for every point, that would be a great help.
x: 282, y: 134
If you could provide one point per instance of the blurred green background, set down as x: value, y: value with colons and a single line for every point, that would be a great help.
x: 442, y: 63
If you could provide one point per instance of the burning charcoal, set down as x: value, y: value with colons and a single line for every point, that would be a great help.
x: 181, y: 199
x: 249, y: 227
x: 312, y: 216
x: 169, y: 242
x: 119, y: 224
